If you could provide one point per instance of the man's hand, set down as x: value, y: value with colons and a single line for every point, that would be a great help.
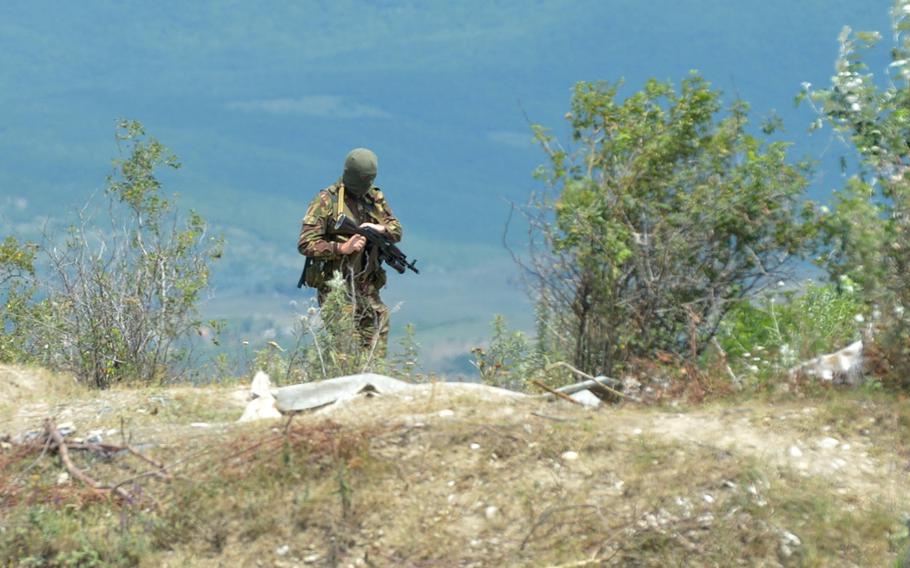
x: 353, y: 245
x: 374, y: 226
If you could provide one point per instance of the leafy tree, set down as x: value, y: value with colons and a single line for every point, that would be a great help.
x: 665, y: 214
x: 867, y: 233
x: 17, y: 288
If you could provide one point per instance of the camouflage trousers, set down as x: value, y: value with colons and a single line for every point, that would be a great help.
x: 371, y: 319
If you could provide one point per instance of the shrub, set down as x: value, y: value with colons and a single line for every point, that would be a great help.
x: 867, y: 233
x: 666, y: 215
x: 118, y: 298
x: 770, y: 335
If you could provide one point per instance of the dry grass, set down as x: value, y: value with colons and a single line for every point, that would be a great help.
x: 392, y: 482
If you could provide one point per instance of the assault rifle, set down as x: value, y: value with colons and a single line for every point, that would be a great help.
x: 388, y: 252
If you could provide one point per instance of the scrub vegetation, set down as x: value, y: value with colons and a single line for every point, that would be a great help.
x: 662, y: 257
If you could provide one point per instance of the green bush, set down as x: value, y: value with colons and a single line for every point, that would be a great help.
x: 116, y: 299
x: 664, y: 215
x: 867, y: 233
x: 509, y: 361
x: 768, y: 336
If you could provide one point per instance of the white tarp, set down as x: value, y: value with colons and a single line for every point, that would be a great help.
x: 320, y: 393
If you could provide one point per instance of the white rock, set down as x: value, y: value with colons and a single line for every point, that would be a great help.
x: 705, y: 520
x: 311, y: 559
x: 828, y: 443
x: 446, y: 413
x: 795, y: 452
x: 200, y: 425
x: 475, y: 446
x: 490, y: 512
x: 63, y: 478
x: 844, y: 447
x: 708, y: 498
x: 637, y: 431
x: 569, y: 456
x: 66, y: 428
x: 282, y: 550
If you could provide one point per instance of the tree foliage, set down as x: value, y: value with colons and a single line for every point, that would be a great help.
x: 664, y: 215
x: 867, y: 233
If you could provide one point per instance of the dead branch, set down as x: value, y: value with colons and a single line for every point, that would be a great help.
x: 60, y: 445
x: 554, y: 392
x: 597, y: 380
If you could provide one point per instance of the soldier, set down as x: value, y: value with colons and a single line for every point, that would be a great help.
x: 328, y: 252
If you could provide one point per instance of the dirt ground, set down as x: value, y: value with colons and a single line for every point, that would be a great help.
x: 481, y: 479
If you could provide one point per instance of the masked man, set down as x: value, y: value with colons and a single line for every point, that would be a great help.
x: 328, y: 252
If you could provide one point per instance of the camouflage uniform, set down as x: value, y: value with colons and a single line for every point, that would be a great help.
x: 319, y: 241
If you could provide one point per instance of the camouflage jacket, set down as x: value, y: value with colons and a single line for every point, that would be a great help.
x: 319, y: 241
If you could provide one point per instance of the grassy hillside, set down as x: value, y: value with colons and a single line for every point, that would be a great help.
x: 443, y: 478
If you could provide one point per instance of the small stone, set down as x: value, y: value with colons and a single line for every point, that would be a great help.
x: 490, y: 512
x: 451, y: 498
x: 637, y: 432
x: 790, y: 538
x: 311, y: 559
x: 63, y: 478
x: 845, y: 447
x: 705, y: 520
x: 708, y: 498
x: 727, y: 484
x: 569, y: 456
x: 66, y: 428
x: 828, y: 443
x: 451, y: 483
x: 838, y: 463
x: 446, y: 413
x: 475, y: 446
x: 200, y: 425
x: 795, y: 452
x: 282, y: 550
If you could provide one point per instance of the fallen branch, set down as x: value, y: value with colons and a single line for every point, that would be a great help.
x: 555, y: 392
x: 593, y: 381
x: 554, y: 418
x: 59, y: 444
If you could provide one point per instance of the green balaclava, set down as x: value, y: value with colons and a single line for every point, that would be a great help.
x: 360, y: 167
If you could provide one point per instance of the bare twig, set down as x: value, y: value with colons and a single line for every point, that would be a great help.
x: 554, y: 392
x: 597, y: 380
x: 60, y: 445
x: 545, y: 516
